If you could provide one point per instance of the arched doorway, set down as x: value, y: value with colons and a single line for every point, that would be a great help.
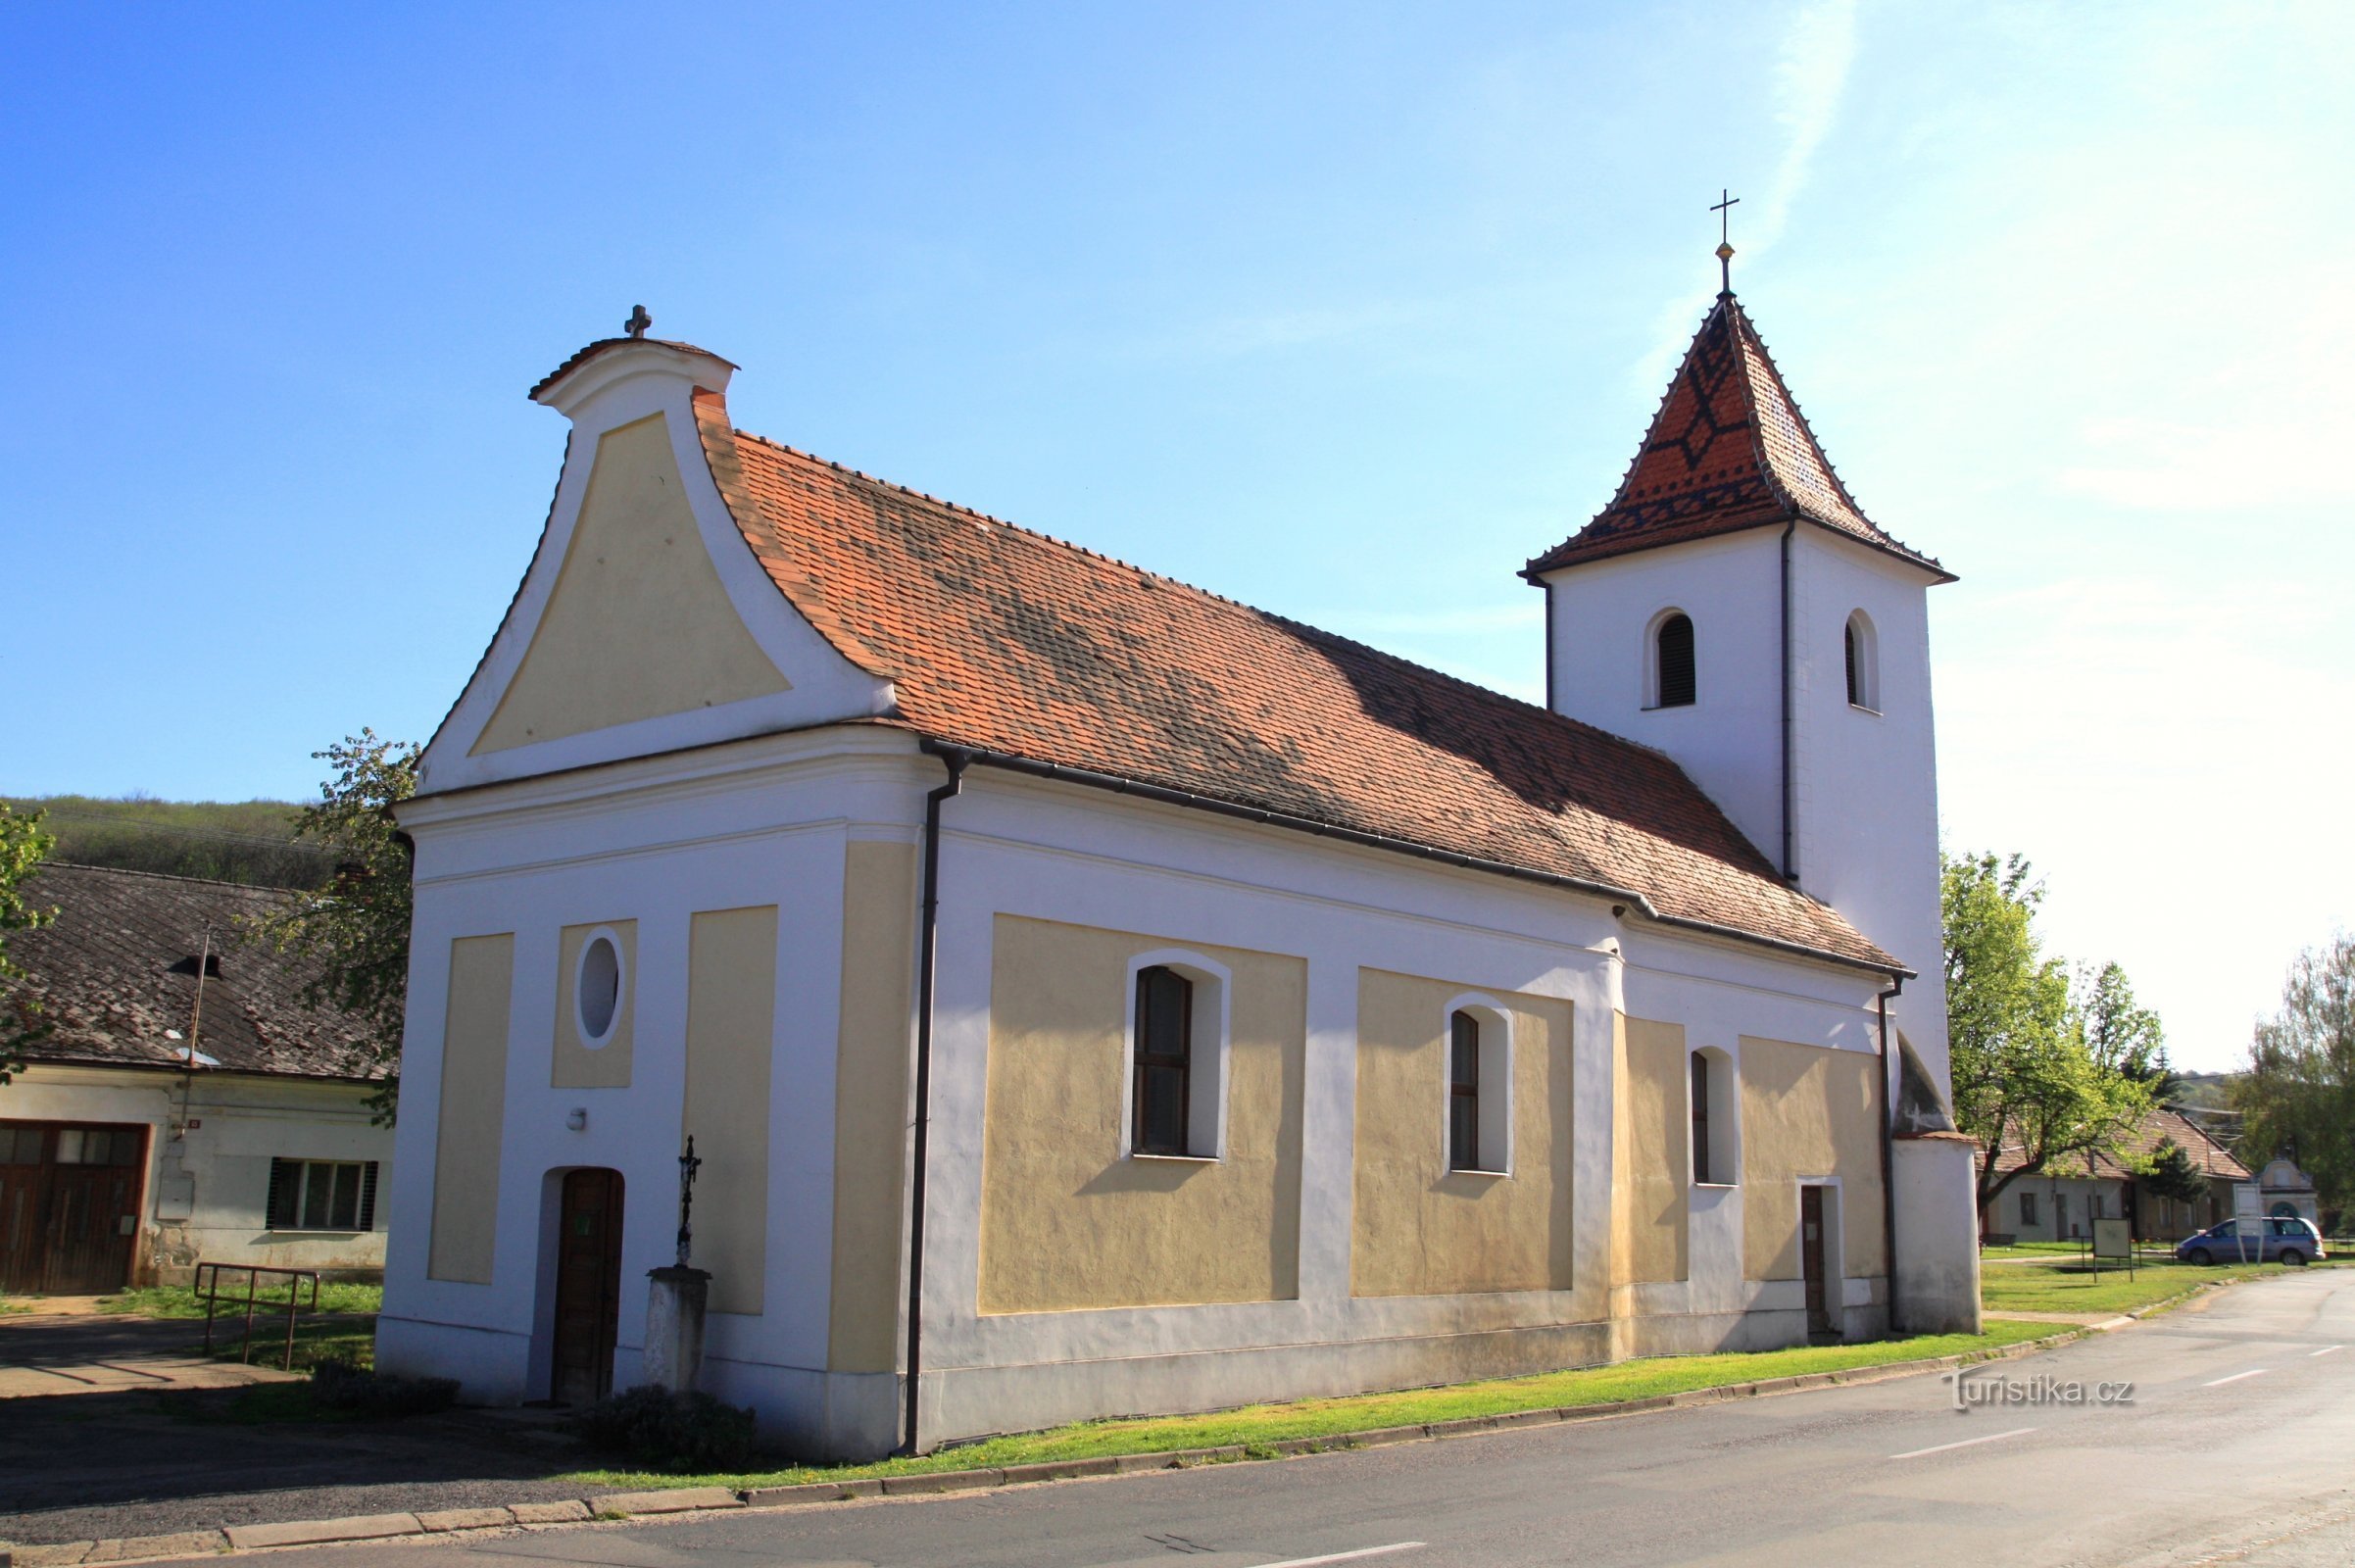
x: 588, y: 1286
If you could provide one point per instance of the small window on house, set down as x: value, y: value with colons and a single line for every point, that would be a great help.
x: 323, y: 1195
x: 2028, y: 1208
x: 1673, y: 682
x: 1864, y: 663
x: 97, y: 1145
x: 1463, y: 1093
x: 1165, y: 1064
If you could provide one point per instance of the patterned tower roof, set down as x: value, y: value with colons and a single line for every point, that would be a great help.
x: 1727, y: 451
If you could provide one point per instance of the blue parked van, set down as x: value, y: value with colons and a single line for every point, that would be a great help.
x: 2289, y: 1241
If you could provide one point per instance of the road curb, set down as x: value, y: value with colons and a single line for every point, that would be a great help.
x: 675, y: 1501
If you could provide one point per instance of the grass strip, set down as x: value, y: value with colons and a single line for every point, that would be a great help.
x: 178, y: 1302
x: 1261, y: 1424
x: 2074, y: 1287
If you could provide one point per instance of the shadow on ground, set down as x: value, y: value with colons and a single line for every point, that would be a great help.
x: 142, y: 1462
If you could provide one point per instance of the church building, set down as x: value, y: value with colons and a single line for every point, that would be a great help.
x: 1087, y: 994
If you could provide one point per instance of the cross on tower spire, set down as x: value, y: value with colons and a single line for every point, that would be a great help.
x: 1725, y: 248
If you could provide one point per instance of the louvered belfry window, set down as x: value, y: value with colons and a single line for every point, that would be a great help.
x: 1163, y: 1067
x: 1675, y: 652
x: 1856, y: 691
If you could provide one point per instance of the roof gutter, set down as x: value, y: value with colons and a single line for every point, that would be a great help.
x: 1889, y: 1135
x: 1115, y: 784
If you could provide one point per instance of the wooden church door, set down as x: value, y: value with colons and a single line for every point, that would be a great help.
x: 588, y: 1286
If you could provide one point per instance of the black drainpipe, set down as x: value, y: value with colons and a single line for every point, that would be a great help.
x: 927, y: 943
x: 1791, y: 869
x: 1549, y: 703
x: 1889, y: 1129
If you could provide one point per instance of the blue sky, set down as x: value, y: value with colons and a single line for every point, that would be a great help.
x: 1343, y: 311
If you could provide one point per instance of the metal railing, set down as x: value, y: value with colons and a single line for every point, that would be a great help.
x: 208, y: 1288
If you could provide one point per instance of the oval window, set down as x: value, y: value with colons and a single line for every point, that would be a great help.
x: 597, y: 990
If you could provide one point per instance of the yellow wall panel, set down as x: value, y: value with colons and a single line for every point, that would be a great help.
x: 473, y: 1109
x: 1066, y: 1221
x: 1418, y: 1228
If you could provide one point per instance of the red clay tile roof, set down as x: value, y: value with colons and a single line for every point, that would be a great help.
x: 2159, y: 1127
x: 118, y: 969
x: 1003, y: 640
x: 1727, y: 450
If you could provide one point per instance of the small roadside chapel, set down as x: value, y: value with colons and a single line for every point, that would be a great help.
x: 1089, y: 995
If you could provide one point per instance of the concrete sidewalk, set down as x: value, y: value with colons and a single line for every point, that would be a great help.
x: 79, y: 1352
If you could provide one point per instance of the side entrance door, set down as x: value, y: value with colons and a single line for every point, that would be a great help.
x: 68, y: 1207
x: 588, y: 1286
x: 1811, y: 1261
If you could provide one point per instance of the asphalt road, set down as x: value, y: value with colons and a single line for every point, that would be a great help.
x: 2237, y: 1446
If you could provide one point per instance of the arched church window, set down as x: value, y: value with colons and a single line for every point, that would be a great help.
x: 1463, y: 1093
x: 1673, y: 683
x: 1165, y: 1062
x: 1864, y: 663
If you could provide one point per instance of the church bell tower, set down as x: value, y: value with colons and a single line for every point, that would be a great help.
x: 1735, y: 608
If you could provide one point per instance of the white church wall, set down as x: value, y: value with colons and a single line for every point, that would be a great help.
x: 1729, y: 740
x: 1055, y: 852
x: 653, y: 840
x: 1865, y: 783
x: 765, y: 821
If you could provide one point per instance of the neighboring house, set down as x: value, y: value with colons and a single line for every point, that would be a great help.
x: 2061, y: 1201
x: 1089, y: 995
x: 187, y: 1107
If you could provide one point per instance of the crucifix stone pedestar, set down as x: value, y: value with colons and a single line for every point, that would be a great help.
x: 676, y: 1299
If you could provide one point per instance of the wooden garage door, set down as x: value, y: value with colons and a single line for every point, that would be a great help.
x: 69, y: 1205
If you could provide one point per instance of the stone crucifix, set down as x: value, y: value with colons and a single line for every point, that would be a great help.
x: 688, y: 1166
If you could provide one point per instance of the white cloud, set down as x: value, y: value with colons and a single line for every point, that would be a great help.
x: 1811, y: 76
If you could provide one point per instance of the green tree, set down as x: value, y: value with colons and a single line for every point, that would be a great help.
x: 2023, y: 1071
x: 357, y: 928
x: 2122, y: 1035
x: 2173, y: 1176
x: 22, y: 847
x: 2299, y: 1090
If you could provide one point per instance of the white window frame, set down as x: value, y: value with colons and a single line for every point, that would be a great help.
x: 1867, y: 661
x: 362, y: 1204
x: 1496, y: 1067
x: 1725, y: 1118
x: 622, y: 985
x: 1209, y: 1048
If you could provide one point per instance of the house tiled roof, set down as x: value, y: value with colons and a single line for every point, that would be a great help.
x: 118, y: 969
x: 1727, y: 450
x: 1006, y: 641
x: 2161, y: 1126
